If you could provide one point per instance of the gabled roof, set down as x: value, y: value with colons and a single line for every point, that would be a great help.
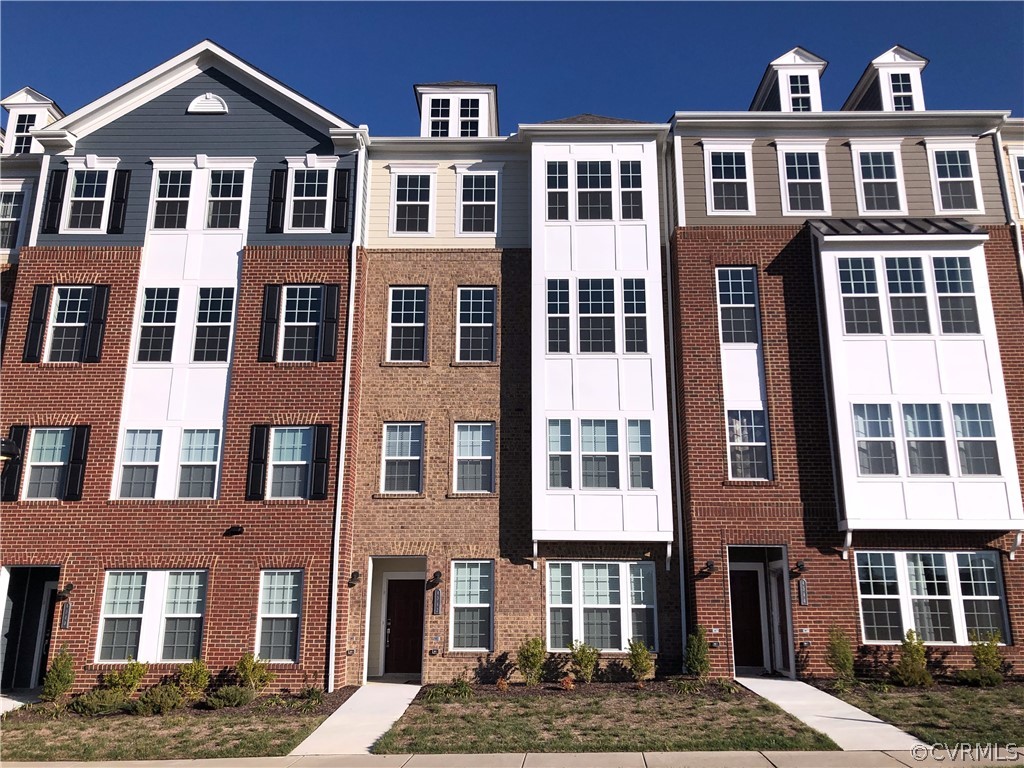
x: 31, y: 97
x: 794, y: 57
x: 455, y: 84
x: 200, y: 57
x: 895, y: 55
x: 588, y: 118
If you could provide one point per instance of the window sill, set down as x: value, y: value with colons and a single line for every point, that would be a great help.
x: 296, y: 502
x: 165, y: 502
x: 405, y: 364
x: 295, y: 363
x: 471, y: 495
x: 418, y: 495
x: 750, y: 483
x: 474, y: 364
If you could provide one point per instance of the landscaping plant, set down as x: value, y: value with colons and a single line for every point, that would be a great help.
x: 100, y: 701
x: 458, y: 688
x: 567, y: 683
x: 230, y: 696
x: 194, y: 679
x: 988, y: 662
x: 530, y: 659
x: 584, y: 660
x: 126, y: 680
x: 253, y: 673
x: 839, y: 656
x: 911, y: 671
x: 698, y: 657
x: 639, y: 661
x: 59, y: 678
x: 159, y: 699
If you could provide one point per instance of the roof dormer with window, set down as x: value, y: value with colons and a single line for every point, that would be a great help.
x: 457, y: 109
x: 28, y: 110
x: 791, y: 83
x: 891, y: 83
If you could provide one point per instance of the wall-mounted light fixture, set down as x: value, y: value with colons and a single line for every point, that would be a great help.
x: 434, y: 580
x: 354, y: 579
x: 709, y: 567
x: 800, y: 567
x: 65, y: 593
x: 234, y: 530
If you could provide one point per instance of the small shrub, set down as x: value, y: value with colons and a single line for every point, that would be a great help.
x: 159, y: 699
x: 253, y: 673
x: 100, y: 701
x: 126, y: 680
x: 60, y: 677
x: 639, y: 661
x: 584, y: 660
x: 230, y: 696
x: 839, y: 656
x: 194, y: 680
x: 567, y: 683
x: 986, y: 652
x: 312, y: 695
x: 698, y: 656
x: 530, y: 659
x: 458, y: 688
x: 502, y: 684
x: 979, y: 678
x: 688, y: 687
x: 727, y: 686
x: 911, y: 671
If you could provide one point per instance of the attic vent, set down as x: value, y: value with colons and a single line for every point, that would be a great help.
x: 208, y: 104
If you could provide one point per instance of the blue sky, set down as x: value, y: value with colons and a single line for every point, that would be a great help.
x: 550, y: 60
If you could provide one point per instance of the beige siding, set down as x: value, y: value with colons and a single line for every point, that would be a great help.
x: 513, y: 196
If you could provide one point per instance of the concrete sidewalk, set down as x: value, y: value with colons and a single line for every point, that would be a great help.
x: 354, y: 726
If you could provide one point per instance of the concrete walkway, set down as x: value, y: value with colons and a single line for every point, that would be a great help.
x: 19, y: 698
x: 847, y: 726
x: 354, y: 726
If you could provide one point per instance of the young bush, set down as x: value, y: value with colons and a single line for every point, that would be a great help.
x: 979, y: 678
x: 584, y: 660
x: 530, y: 659
x: 253, y: 673
x: 126, y: 680
x: 100, y: 701
x: 458, y: 688
x: 839, y: 656
x: 988, y: 663
x: 639, y: 661
x: 698, y: 657
x: 502, y: 684
x: 230, y: 696
x: 194, y: 680
x: 60, y: 677
x: 159, y: 699
x: 911, y: 671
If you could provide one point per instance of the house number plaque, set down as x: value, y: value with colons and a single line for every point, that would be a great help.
x: 65, y: 614
x: 802, y: 585
x: 436, y: 608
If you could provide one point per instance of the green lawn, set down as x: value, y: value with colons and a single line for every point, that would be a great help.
x: 598, y: 718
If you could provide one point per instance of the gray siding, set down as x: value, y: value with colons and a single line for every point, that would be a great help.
x: 871, y: 101
x: 253, y: 127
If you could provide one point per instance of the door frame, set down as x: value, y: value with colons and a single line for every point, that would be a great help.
x: 765, y: 629
x: 389, y: 576
x: 785, y: 649
x: 45, y: 616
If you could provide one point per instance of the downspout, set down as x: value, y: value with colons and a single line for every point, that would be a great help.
x: 997, y: 141
x: 332, y: 639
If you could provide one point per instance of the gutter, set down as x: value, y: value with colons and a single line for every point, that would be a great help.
x: 997, y: 140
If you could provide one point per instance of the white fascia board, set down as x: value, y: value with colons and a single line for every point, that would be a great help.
x: 944, y: 524
x: 904, y: 239
x: 941, y: 122
x: 534, y: 131
x: 599, y: 537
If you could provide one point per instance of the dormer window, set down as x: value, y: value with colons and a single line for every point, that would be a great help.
x: 440, y: 112
x: 902, y: 92
x: 469, y: 117
x: 457, y: 109
x: 800, y: 93
x: 22, y: 134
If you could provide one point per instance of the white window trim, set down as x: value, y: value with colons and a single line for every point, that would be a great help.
x: 24, y: 186
x: 571, y: 453
x: 177, y: 164
x: 453, y: 606
x: 898, y: 455
x: 216, y: 463
x: 956, y: 145
x: 569, y: 191
x: 412, y: 169
x: 478, y: 119
x: 878, y: 145
x: 641, y: 453
x: 955, y: 596
x: 271, y: 463
x: 141, y: 303
x: 459, y: 325
x: 786, y: 95
x: 618, y: 454
x: 88, y: 163
x: 52, y: 317
x: 1013, y: 153
x: 245, y: 164
x: 885, y: 86
x: 625, y: 604
x: 462, y: 170
x: 196, y: 326
x: 790, y: 145
x: 122, y: 447
x: 384, y: 457
x: 297, y: 616
x: 456, y: 457
x: 722, y: 343
x: 328, y: 163
x: 729, y: 145
x: 753, y: 406
x: 27, y: 474
x: 426, y: 324
x: 281, y: 325
x: 573, y: 318
x: 447, y: 120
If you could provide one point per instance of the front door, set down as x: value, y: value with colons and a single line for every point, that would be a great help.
x: 747, y: 622
x: 403, y: 626
x: 779, y: 591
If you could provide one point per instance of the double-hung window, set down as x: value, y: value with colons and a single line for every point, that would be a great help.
x: 121, y: 624
x: 23, y: 133
x: 559, y: 453
x: 213, y: 325
x: 472, y: 605
x: 747, y: 432
x: 902, y: 91
x: 170, y: 209
x: 634, y: 309
x: 955, y: 183
x: 183, y: 615
x: 558, y: 190
x: 597, y: 315
x: 594, y: 190
x: 859, y: 287
x: 299, y: 323
x: 737, y: 305
x: 277, y: 627
x: 224, y: 205
x: 11, y: 210
x: 804, y: 178
x: 975, y: 439
x: 407, y: 325
x: 474, y: 458
x: 599, y: 453
x: 908, y: 303
x: 631, y: 189
x: 638, y: 444
x: 48, y: 457
x: 309, y: 198
x: 156, y: 335
x: 476, y: 325
x: 200, y: 454
x: 728, y: 178
x: 291, y: 454
x: 300, y: 336
x: 288, y: 462
x: 469, y: 117
x: 558, y: 316
x: 402, y: 470
x: 90, y: 193
x: 954, y: 284
x: 478, y: 195
x: 72, y: 307
x: 412, y: 194
x: 440, y: 114
x: 878, y: 172
x: 876, y: 439
x: 800, y: 93
x: 140, y: 460
x: 925, y: 436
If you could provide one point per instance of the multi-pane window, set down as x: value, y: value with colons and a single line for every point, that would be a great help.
x: 469, y: 117
x: 412, y: 203
x: 88, y: 199
x: 559, y: 453
x: 224, y: 209
x: 975, y: 439
x: 278, y: 625
x: 729, y: 182
x: 737, y: 305
x: 156, y: 336
x: 880, y: 184
x: 631, y: 189
x: 879, y: 597
x: 634, y: 308
x: 479, y: 202
x: 474, y: 458
x: 876, y: 439
x: 747, y: 431
x: 558, y: 316
x: 954, y: 284
x: 309, y: 198
x: 472, y: 602
x: 907, y: 300
x: 925, y: 435
x: 407, y: 325
x: 930, y: 599
x: 121, y: 623
x: 804, y: 187
x: 800, y: 93
x: 558, y: 190
x: 22, y: 133
x: 140, y: 461
x: 602, y: 604
x: 599, y: 453
x: 594, y: 190
x: 68, y: 323
x: 291, y: 453
x: 1020, y: 181
x: 955, y: 177
x: 170, y: 209
x: 200, y: 452
x: 301, y: 320
x: 183, y: 615
x: 403, y: 458
x: 597, y: 315
x: 978, y: 575
x: 48, y: 457
x: 476, y: 325
x: 213, y: 325
x: 638, y: 446
x: 10, y: 218
x: 440, y: 113
x: 902, y: 91
x: 859, y: 285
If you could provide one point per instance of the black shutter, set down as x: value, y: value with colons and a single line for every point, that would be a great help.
x: 97, y: 323
x: 75, y: 477
x: 256, y: 479
x: 340, y: 216
x: 54, y: 201
x: 268, y: 324
x: 321, y: 461
x: 118, y: 202
x: 275, y: 209
x: 329, y: 322
x: 12, y: 467
x: 36, y: 324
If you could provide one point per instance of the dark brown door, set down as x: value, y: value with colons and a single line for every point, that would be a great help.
x: 747, y: 630
x: 403, y: 627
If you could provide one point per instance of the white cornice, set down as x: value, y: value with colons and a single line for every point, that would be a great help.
x: 940, y: 122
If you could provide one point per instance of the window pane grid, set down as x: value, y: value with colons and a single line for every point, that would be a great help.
x: 634, y: 307
x: 10, y: 218
x: 905, y: 278
x: 559, y: 453
x: 156, y: 335
x: 558, y: 190
x: 300, y: 338
x: 729, y: 181
x: 630, y: 183
x: 309, y: 198
x: 472, y: 600
x: 479, y: 202
x: 224, y: 209
x: 474, y: 458
x: 213, y: 325
x: 737, y: 305
x: 925, y: 435
x: 599, y: 448
x: 879, y: 181
x: 403, y: 455
x: 747, y: 433
x: 173, y: 190
x: 638, y: 443
x: 280, y: 601
x: 67, y: 331
x: 200, y: 452
x: 596, y: 315
x: 412, y: 201
x: 407, y: 326
x: 558, y: 316
x: 975, y: 439
x: 593, y: 184
x: 88, y: 194
x: 291, y: 454
x: 140, y: 461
